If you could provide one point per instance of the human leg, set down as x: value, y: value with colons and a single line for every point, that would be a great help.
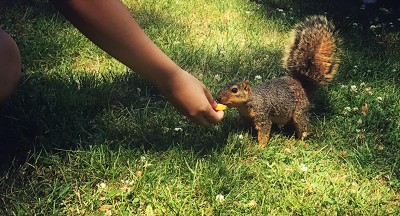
x: 10, y: 65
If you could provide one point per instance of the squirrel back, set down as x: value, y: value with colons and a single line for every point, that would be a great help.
x: 311, y: 54
x: 311, y: 60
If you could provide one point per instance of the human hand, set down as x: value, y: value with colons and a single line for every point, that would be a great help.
x: 110, y: 26
x: 191, y: 98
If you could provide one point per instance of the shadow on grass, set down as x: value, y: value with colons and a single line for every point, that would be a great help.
x: 367, y: 31
x: 343, y: 13
x: 65, y: 110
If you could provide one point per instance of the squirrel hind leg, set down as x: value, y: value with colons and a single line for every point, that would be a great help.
x: 302, y: 124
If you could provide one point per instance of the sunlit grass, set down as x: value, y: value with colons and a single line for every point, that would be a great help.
x: 96, y: 139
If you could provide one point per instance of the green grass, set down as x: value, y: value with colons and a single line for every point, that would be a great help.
x: 83, y: 135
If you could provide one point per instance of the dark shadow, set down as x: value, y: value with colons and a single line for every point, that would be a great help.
x: 11, y: 139
x: 50, y: 111
x: 43, y: 121
x: 366, y: 30
x: 344, y: 13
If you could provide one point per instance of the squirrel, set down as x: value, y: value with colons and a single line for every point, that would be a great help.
x: 311, y: 58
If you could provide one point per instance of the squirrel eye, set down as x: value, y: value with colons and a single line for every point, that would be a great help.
x: 234, y: 90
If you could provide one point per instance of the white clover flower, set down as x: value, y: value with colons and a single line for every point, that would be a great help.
x: 355, y: 109
x: 102, y: 185
x: 129, y: 182
x: 240, y: 136
x: 360, y: 121
x: 252, y: 203
x: 353, y: 89
x: 346, y: 110
x: 303, y: 168
x: 362, y: 84
x: 217, y: 77
x: 220, y: 198
x: 258, y: 77
x: 178, y: 129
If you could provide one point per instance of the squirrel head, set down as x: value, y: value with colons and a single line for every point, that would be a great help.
x: 234, y: 94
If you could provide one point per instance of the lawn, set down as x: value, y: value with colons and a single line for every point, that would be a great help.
x: 84, y: 135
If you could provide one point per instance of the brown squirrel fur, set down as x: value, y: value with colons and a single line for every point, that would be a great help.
x: 311, y: 60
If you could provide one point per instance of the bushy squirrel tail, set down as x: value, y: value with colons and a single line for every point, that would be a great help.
x: 312, y: 53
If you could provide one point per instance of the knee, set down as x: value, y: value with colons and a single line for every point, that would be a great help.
x: 10, y: 65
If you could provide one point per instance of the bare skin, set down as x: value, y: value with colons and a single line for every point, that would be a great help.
x: 109, y: 25
x: 10, y: 65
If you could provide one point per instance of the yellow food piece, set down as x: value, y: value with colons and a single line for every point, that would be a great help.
x: 220, y: 107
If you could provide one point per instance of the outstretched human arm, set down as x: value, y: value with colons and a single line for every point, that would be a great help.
x: 109, y: 25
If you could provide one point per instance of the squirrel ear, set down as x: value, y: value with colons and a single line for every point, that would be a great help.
x: 246, y: 85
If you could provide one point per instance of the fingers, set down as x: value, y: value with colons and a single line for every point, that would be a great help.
x: 208, y: 117
x: 211, y: 116
x: 215, y: 118
x: 206, y: 121
x: 192, y: 99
